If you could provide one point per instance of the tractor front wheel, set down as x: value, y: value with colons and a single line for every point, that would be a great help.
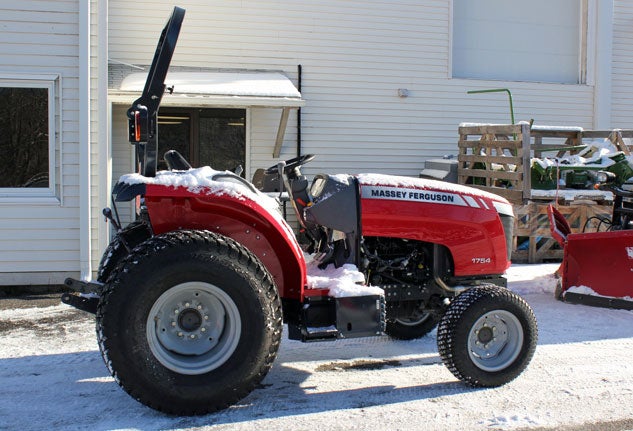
x: 189, y: 323
x: 487, y: 336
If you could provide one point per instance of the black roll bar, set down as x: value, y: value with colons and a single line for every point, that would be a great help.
x: 143, y: 114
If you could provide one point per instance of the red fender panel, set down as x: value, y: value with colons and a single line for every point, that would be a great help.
x: 244, y: 220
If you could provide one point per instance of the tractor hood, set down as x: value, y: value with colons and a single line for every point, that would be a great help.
x: 377, y: 186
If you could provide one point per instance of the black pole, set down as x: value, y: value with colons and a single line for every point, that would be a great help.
x: 299, y: 69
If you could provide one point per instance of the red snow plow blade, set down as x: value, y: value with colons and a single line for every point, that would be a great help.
x: 597, y: 267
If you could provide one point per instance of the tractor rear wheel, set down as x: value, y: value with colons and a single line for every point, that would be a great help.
x: 189, y: 323
x: 135, y: 233
x: 487, y: 336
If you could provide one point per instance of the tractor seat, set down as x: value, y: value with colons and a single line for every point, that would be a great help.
x: 175, y: 161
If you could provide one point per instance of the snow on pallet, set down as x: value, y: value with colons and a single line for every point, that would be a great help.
x: 498, y: 158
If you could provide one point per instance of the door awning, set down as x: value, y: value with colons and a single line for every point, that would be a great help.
x: 222, y: 89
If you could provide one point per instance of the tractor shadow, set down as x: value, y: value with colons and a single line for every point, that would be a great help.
x: 75, y: 391
x: 289, y: 391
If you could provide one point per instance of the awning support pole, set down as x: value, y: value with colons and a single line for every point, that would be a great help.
x: 283, y: 122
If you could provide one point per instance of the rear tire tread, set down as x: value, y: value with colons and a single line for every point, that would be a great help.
x: 232, y: 250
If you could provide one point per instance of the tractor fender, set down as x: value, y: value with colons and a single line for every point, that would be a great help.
x: 262, y: 231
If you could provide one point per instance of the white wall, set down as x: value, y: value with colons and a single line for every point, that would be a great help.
x: 355, y: 56
x: 39, y: 241
x: 622, y: 72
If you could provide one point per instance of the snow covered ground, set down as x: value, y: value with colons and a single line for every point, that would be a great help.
x: 52, y: 377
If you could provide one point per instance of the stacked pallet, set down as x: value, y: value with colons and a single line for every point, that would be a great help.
x: 533, y: 242
x: 496, y: 158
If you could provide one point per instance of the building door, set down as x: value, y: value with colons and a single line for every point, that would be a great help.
x: 213, y: 137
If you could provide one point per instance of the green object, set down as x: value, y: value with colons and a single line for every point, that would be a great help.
x: 497, y: 90
x: 579, y: 177
x: 621, y: 168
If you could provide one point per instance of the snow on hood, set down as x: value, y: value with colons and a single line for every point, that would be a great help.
x: 425, y: 184
x: 500, y: 203
x: 344, y: 281
x: 205, y: 180
x: 201, y: 180
x: 211, y: 182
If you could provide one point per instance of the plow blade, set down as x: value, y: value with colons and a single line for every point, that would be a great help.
x: 597, y: 262
x: 597, y: 301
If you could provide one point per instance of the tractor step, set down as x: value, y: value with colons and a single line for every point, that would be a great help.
x: 308, y: 334
x: 327, y: 318
x: 597, y: 301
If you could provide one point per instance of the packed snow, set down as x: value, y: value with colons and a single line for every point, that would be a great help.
x: 209, y: 181
x: 53, y: 377
x: 226, y: 83
x: 585, y: 290
x: 341, y: 282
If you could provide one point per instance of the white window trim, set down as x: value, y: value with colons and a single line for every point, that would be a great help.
x: 52, y: 193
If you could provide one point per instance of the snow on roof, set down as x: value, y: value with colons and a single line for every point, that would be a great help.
x: 241, y: 83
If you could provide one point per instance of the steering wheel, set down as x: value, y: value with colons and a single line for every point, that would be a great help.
x: 291, y: 164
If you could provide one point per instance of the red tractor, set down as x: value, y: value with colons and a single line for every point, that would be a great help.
x: 191, y: 298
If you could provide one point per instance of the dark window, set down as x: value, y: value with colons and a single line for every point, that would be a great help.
x: 205, y: 137
x: 24, y: 137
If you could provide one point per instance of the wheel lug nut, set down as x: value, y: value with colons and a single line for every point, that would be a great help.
x: 192, y: 336
x: 176, y: 311
x: 199, y: 307
x: 180, y: 334
x: 187, y: 304
x: 203, y: 329
x: 206, y: 317
x: 173, y: 323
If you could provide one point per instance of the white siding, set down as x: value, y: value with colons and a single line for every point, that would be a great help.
x: 122, y: 157
x: 40, y: 243
x: 97, y: 200
x: 355, y: 56
x: 622, y: 82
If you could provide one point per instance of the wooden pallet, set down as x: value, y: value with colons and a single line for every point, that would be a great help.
x: 494, y: 157
x: 532, y: 225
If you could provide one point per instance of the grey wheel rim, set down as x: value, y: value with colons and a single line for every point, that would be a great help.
x: 495, y: 340
x: 414, y: 320
x: 193, y: 328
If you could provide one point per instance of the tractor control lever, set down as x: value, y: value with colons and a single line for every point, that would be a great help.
x: 107, y: 212
x: 281, y: 167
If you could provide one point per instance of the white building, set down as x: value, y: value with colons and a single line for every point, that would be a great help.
x: 384, y: 86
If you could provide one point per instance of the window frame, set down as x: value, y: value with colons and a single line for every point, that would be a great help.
x: 52, y: 193
x: 587, y: 43
x: 194, y: 114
